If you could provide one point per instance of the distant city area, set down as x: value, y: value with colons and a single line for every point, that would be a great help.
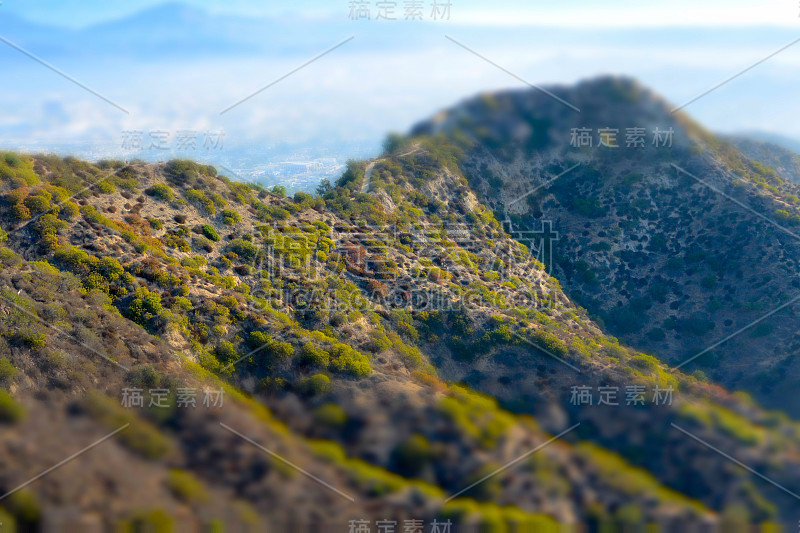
x: 294, y: 175
x: 295, y: 171
x: 296, y: 167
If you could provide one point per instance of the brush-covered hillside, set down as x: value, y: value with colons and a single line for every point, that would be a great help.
x: 194, y: 353
x: 672, y: 238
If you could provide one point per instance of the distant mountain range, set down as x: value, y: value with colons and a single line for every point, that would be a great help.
x: 776, y: 151
x: 173, y: 29
x: 788, y: 143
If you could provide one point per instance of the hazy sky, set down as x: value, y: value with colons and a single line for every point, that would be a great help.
x: 176, y: 71
x: 582, y: 13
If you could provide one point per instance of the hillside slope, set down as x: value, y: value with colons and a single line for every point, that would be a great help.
x: 339, y: 327
x: 105, y: 295
x: 672, y: 238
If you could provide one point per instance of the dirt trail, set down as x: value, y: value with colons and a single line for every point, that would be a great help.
x: 367, y: 175
x: 371, y: 165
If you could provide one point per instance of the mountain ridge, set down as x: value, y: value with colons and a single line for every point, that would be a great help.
x: 638, y: 204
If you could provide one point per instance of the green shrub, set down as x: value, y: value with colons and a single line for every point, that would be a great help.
x: 644, y: 362
x: 412, y: 456
x: 588, y: 207
x: 782, y: 215
x: 95, y: 282
x: 144, y: 377
x: 186, y: 487
x: 246, y: 250
x: 490, y: 489
x: 709, y: 281
x: 476, y: 416
x: 314, y: 385
x: 26, y: 510
x: 629, y: 517
x: 10, y: 410
x: 8, y: 258
x: 109, y: 268
x: 141, y: 436
x: 209, y: 232
x: 226, y: 352
x: 162, y: 192
x: 346, y: 360
x: 314, y: 356
x: 281, y: 350
x: 410, y: 355
x: 330, y: 415
x: 72, y: 258
x: 47, y: 227
x: 7, y: 370
x: 623, y: 320
x: 20, y: 212
x: 54, y: 360
x: 11, y: 159
x: 105, y: 187
x: 183, y: 171
x: 8, y: 521
x: 155, y: 521
x: 69, y: 210
x: 272, y: 212
x: 144, y: 306
x: 30, y: 338
x: 198, y: 198
x: 301, y: 197
x: 378, y: 342
x: 182, y: 304
x: 200, y: 243
x: 549, y: 342
x: 37, y: 204
x: 16, y: 168
x: 218, y: 200
x: 230, y: 217
x: 257, y: 339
